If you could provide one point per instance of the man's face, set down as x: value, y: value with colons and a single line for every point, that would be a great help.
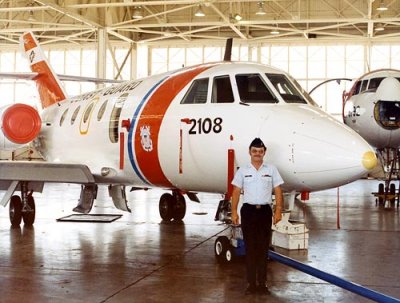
x: 257, y: 154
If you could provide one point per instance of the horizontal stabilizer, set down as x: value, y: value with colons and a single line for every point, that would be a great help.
x: 32, y: 75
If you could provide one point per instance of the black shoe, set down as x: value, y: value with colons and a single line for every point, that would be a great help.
x: 263, y: 289
x: 251, y: 289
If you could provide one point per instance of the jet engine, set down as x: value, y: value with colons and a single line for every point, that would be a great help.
x: 19, y: 123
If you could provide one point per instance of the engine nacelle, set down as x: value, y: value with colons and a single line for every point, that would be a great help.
x: 19, y: 123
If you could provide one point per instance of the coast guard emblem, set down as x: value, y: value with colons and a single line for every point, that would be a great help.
x: 147, y: 144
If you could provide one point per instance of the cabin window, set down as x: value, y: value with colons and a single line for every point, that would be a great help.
x: 197, y: 93
x: 252, y: 89
x: 102, y: 109
x: 115, y: 115
x: 222, y: 90
x: 288, y: 92
x: 88, y: 111
x: 75, y: 114
x: 63, y: 117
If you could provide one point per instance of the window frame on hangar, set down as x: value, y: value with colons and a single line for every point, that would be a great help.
x: 317, y: 40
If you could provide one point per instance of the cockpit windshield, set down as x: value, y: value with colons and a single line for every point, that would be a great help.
x: 289, y: 92
x: 252, y: 89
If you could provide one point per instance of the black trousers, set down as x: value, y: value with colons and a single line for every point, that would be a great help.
x: 256, y: 227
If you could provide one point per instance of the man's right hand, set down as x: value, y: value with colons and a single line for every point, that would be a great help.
x: 235, y: 218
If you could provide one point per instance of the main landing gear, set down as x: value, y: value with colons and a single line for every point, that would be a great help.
x: 388, y: 194
x: 390, y: 157
x: 172, y: 206
x: 22, y: 208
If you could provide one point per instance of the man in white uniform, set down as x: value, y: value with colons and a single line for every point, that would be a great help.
x: 257, y: 180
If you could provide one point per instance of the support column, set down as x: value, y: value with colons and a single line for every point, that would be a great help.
x: 101, y: 54
x: 134, y: 61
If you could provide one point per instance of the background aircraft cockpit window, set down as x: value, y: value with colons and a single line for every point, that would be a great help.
x: 364, y: 85
x: 197, y: 92
x: 102, y: 109
x: 63, y: 117
x: 374, y: 83
x: 222, y: 90
x: 114, y: 119
x: 75, y: 114
x: 286, y: 89
x: 252, y: 89
x: 357, y: 88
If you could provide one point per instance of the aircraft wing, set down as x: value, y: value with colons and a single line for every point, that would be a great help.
x: 32, y: 75
x: 45, y: 172
x: 37, y: 173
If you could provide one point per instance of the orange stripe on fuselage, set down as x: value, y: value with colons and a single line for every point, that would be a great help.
x: 152, y: 116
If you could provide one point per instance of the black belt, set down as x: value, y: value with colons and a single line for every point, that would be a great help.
x: 257, y: 206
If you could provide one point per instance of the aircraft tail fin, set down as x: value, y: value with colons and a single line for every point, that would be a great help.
x: 48, y: 84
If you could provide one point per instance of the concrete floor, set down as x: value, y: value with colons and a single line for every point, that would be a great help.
x: 138, y: 258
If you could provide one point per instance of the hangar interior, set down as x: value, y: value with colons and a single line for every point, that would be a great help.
x: 140, y: 258
x: 312, y: 40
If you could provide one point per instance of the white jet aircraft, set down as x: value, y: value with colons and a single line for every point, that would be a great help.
x: 185, y: 131
x: 372, y: 108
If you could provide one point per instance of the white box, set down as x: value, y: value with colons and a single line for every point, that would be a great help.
x: 291, y: 242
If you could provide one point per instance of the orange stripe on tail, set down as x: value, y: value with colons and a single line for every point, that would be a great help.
x: 47, y: 82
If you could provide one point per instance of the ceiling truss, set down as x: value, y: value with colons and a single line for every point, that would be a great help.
x: 169, y: 21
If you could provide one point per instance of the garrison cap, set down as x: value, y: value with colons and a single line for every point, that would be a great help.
x: 257, y: 142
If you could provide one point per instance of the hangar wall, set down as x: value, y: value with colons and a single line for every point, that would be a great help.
x: 309, y: 63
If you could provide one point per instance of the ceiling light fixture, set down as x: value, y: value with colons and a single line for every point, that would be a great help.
x: 382, y: 7
x: 31, y: 17
x: 275, y: 31
x: 260, y: 11
x: 237, y: 17
x: 199, y: 12
x: 379, y: 27
x: 137, y: 12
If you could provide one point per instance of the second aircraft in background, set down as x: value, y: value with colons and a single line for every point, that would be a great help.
x: 372, y: 108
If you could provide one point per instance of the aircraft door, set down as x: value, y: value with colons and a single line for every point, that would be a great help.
x: 115, y: 117
x: 387, y: 114
x: 204, y: 140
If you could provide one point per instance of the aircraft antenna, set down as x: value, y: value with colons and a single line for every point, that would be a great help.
x: 228, y: 50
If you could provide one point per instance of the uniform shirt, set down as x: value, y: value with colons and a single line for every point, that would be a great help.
x: 257, y: 185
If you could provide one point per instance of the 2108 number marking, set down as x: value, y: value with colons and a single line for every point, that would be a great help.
x: 205, y: 126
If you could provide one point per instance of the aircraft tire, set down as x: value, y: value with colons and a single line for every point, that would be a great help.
x: 392, y: 191
x: 166, y: 206
x: 381, y: 191
x: 15, y: 210
x: 179, y: 207
x: 29, y: 216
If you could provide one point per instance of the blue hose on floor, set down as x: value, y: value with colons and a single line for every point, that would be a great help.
x: 356, y: 288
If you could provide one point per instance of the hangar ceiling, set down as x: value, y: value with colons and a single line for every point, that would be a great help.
x: 79, y: 21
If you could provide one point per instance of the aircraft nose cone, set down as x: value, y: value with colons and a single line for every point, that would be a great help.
x: 389, y: 90
x: 369, y: 160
